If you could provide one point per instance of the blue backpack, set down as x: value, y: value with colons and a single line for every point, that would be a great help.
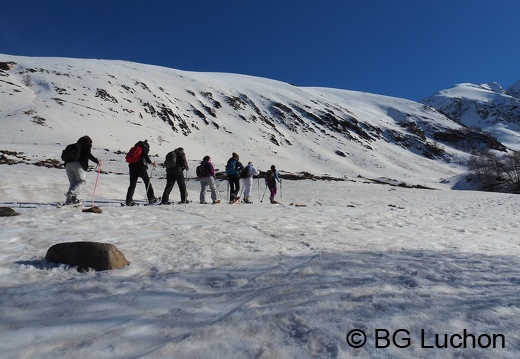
x: 231, y: 167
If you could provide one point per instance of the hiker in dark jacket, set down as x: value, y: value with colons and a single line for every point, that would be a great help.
x: 77, y: 170
x: 176, y: 173
x: 270, y: 181
x: 138, y: 170
x: 233, y: 169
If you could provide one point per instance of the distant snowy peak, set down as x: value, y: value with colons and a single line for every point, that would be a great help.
x: 514, y: 90
x: 486, y: 106
x: 483, y: 92
x: 494, y: 87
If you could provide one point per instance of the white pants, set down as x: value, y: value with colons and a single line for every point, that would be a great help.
x: 77, y: 178
x: 247, y: 183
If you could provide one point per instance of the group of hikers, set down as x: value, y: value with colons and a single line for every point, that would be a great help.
x: 76, y: 157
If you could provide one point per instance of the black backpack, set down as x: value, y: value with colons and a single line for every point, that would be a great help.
x: 269, y: 176
x: 245, y: 172
x: 201, y: 171
x: 71, y: 153
x: 171, y: 159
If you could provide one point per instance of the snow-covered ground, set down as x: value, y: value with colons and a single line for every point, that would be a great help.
x: 261, y: 280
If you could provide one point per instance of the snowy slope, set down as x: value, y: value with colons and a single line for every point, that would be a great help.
x: 321, y: 131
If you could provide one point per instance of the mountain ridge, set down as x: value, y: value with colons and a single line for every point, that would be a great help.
x: 49, y: 102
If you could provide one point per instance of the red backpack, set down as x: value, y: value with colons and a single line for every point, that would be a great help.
x: 134, y: 155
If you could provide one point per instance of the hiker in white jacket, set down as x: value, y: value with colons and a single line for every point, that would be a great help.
x: 247, y: 180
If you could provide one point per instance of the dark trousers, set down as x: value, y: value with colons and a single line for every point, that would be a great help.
x: 137, y: 172
x: 171, y: 178
x: 234, y: 187
x: 272, y: 191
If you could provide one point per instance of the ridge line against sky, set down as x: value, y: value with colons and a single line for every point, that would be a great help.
x: 402, y: 48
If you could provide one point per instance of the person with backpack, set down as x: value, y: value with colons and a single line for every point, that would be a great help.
x: 76, y: 159
x: 175, y: 164
x: 270, y: 181
x: 138, y: 161
x: 206, y: 174
x: 233, y: 169
x: 247, y: 180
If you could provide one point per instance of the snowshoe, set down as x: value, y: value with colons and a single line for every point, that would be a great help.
x: 76, y: 204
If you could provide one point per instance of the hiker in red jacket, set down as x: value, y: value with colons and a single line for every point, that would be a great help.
x: 139, y: 169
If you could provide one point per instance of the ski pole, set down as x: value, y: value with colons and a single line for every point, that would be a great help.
x: 258, y: 188
x: 241, y: 191
x: 150, y: 181
x: 281, y: 193
x: 218, y: 189
x: 227, y: 194
x: 262, y: 200
x: 95, y: 186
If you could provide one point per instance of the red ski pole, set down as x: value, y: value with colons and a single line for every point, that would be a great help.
x: 95, y: 186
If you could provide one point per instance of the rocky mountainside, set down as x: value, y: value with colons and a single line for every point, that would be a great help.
x: 49, y: 102
x: 488, y: 107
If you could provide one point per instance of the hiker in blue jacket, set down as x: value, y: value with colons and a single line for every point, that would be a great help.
x: 233, y: 169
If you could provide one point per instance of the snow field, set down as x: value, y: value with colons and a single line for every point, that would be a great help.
x: 262, y: 281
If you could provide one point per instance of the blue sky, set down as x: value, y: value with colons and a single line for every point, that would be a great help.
x: 400, y: 48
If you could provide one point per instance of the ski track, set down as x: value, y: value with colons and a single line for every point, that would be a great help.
x: 262, y: 281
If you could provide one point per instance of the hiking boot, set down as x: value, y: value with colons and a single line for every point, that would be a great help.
x: 72, y: 200
x: 167, y: 203
x: 154, y: 200
x: 216, y: 201
x: 130, y: 204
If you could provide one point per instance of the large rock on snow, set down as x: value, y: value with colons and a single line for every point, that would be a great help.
x: 85, y: 255
x: 8, y: 212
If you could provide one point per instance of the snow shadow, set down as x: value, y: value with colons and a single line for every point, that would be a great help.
x: 279, y: 306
